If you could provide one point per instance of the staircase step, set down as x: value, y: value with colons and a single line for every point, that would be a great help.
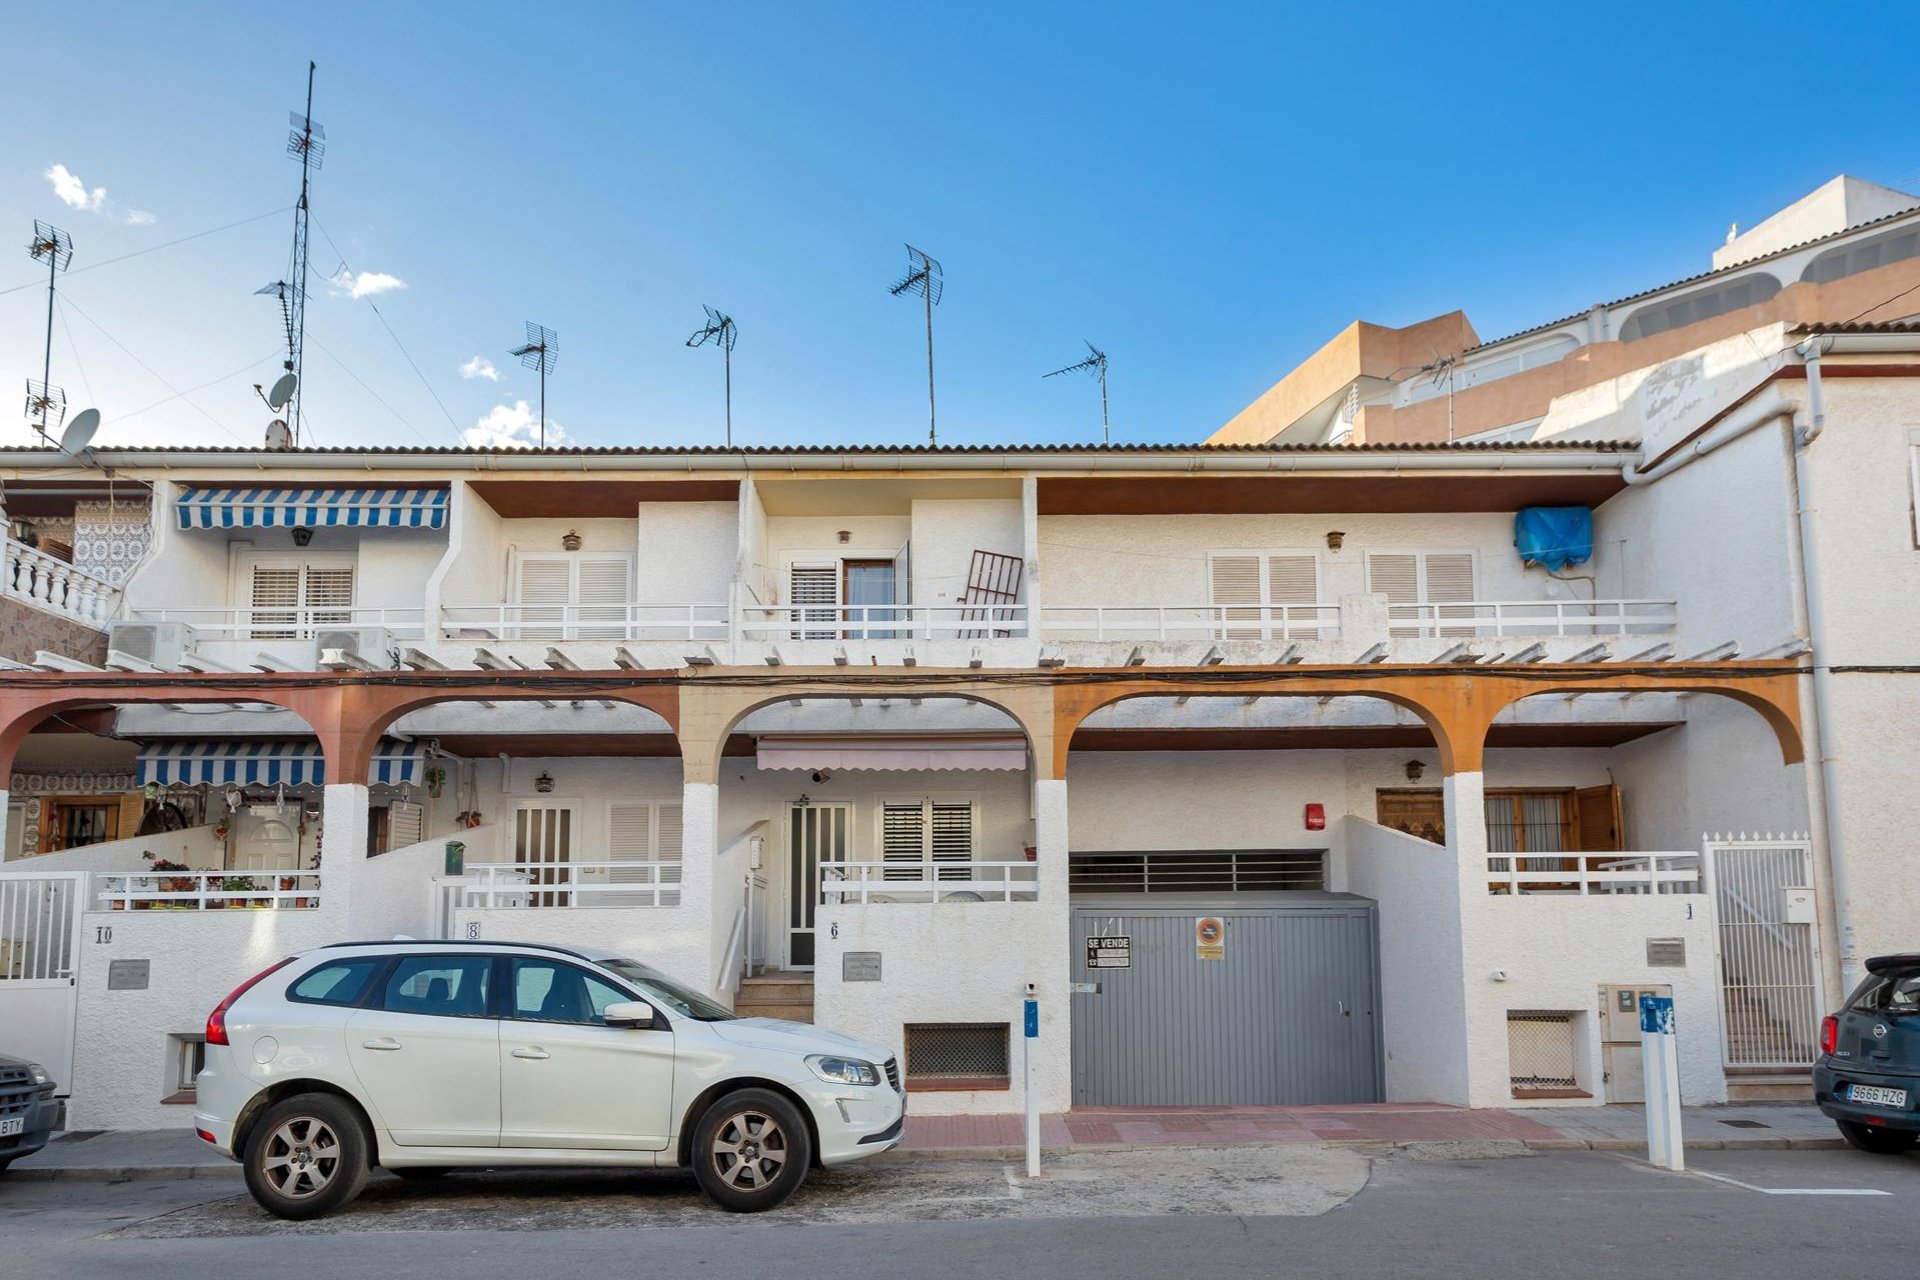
x: 785, y: 1012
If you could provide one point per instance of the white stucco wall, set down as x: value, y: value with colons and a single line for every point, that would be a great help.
x: 946, y: 533
x: 687, y: 552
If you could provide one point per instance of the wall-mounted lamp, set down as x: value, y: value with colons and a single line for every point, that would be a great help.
x: 544, y: 783
x: 845, y: 535
x: 804, y: 800
x: 1414, y: 769
x: 823, y: 775
x: 302, y: 536
x: 1334, y: 538
x: 570, y: 540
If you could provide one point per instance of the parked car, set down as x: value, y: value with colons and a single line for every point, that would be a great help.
x: 425, y: 1057
x: 28, y: 1111
x: 1868, y: 1074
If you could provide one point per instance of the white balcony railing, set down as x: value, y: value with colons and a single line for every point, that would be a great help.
x: 205, y: 890
x: 669, y: 622
x: 882, y: 621
x: 866, y: 882
x: 526, y: 885
x: 56, y: 586
x: 1593, y: 874
x: 1191, y: 622
x: 1519, y: 618
x: 241, y: 622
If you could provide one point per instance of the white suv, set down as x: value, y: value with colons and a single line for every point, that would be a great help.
x: 422, y: 1057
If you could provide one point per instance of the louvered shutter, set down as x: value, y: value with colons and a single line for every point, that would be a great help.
x: 329, y: 595
x: 903, y: 838
x: 666, y: 847
x: 275, y: 600
x: 816, y: 585
x: 952, y: 836
x: 1449, y: 580
x: 601, y: 590
x: 629, y: 840
x: 1235, y: 584
x: 1294, y: 580
x: 541, y: 581
x: 404, y: 824
x: 1396, y: 576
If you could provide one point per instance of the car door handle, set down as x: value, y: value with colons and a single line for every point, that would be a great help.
x: 385, y: 1044
x: 535, y: 1054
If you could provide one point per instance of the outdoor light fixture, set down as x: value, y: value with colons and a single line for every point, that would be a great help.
x: 302, y: 536
x: 1334, y: 538
x: 1414, y: 769
x: 544, y: 783
x: 570, y: 540
x: 846, y: 535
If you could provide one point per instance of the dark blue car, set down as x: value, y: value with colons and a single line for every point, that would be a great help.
x: 1868, y: 1074
x: 28, y: 1109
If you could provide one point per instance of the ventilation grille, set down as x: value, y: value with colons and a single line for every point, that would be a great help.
x: 1540, y: 1050
x: 1216, y: 871
x: 957, y: 1055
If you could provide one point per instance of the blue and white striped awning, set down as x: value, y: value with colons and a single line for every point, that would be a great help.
x: 313, y: 508
x: 264, y: 762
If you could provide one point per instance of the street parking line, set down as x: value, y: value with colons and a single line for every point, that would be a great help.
x: 1789, y: 1191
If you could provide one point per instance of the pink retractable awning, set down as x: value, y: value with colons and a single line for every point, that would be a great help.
x: 825, y: 751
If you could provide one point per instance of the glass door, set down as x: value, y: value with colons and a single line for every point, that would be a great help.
x: 816, y: 834
x: 866, y: 583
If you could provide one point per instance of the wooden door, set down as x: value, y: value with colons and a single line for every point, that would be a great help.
x: 1597, y: 824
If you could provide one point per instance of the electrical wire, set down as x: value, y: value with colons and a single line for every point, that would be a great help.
x: 370, y: 391
x: 155, y: 248
x: 271, y: 355
x: 75, y: 348
x: 224, y: 429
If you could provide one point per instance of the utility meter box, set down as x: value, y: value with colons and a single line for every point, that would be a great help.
x: 1620, y: 1038
x: 1796, y: 904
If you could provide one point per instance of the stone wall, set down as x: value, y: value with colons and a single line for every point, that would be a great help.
x: 24, y: 630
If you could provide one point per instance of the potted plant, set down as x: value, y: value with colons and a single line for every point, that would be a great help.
x: 436, y: 779
x: 170, y: 884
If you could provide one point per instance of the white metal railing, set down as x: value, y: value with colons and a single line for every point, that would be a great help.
x: 520, y: 885
x: 1488, y: 618
x: 245, y: 622
x: 864, y: 882
x: 56, y: 586
x: 205, y: 890
x: 1593, y: 874
x: 882, y: 621
x: 671, y: 622
x: 1190, y: 622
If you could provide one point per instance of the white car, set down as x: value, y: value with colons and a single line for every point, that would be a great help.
x: 423, y: 1057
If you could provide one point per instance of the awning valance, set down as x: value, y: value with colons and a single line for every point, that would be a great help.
x: 313, y: 508
x: 267, y: 762
x: 953, y: 751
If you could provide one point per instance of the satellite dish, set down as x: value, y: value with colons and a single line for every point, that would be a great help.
x: 279, y: 436
x: 282, y: 392
x: 79, y: 432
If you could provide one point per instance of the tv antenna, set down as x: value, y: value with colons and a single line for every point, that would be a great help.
x: 46, y: 403
x: 307, y: 143
x: 1095, y: 365
x: 924, y: 278
x: 721, y: 331
x: 1442, y: 369
x: 540, y: 350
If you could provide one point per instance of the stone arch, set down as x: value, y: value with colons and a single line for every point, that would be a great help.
x: 1774, y: 698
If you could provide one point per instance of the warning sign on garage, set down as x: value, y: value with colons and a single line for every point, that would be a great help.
x: 1110, y: 953
x: 1210, y: 938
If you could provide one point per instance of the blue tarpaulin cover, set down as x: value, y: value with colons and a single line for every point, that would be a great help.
x: 1554, y: 536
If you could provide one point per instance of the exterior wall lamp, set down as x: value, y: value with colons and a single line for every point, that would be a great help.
x: 1414, y: 769
x: 302, y: 536
x: 544, y: 783
x: 1334, y: 538
x: 570, y: 540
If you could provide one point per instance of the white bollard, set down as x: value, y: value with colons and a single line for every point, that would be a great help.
x: 1660, y: 1069
x: 1031, y: 1014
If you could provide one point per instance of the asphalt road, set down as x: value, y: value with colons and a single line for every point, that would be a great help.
x: 1246, y: 1211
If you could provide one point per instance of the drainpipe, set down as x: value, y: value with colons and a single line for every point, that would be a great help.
x: 1829, y: 763
x: 1770, y: 405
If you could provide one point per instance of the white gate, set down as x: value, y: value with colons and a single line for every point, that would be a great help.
x: 1768, y: 948
x: 39, y: 927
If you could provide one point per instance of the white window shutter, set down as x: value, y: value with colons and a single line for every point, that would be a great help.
x: 1394, y: 575
x: 903, y: 838
x: 602, y: 591
x: 1294, y: 580
x: 1449, y: 585
x: 275, y: 598
x: 1234, y: 581
x: 629, y: 840
x: 329, y: 594
x: 952, y: 835
x: 817, y: 585
x: 540, y: 581
x: 404, y: 824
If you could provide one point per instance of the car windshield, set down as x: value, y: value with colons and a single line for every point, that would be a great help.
x: 658, y: 986
x: 1894, y: 992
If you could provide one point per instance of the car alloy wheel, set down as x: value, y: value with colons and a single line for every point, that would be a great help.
x: 749, y: 1150
x: 301, y: 1157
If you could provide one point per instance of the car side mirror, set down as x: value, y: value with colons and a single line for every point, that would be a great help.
x: 635, y: 1015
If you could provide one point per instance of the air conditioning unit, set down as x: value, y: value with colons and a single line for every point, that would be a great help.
x: 369, y: 644
x: 161, y: 643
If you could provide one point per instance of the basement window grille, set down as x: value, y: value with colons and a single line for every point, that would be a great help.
x: 1211, y: 871
x: 1540, y: 1050
x: 957, y: 1055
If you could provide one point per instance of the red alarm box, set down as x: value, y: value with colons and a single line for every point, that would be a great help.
x: 1316, y: 817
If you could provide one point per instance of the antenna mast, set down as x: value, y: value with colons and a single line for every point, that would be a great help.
x: 721, y: 331
x: 540, y: 351
x: 1094, y: 365
x: 45, y: 401
x: 307, y: 143
x: 925, y: 278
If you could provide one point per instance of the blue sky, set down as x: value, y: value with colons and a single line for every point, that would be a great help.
x: 1207, y: 191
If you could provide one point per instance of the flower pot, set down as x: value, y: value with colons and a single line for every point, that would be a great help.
x: 216, y: 904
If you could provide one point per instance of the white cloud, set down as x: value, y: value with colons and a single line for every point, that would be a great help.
x: 514, y: 426
x: 366, y: 284
x: 73, y: 193
x: 479, y: 367
x: 140, y: 218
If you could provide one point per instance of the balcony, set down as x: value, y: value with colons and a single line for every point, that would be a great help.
x: 1521, y: 619
x: 883, y: 622
x: 1594, y: 874
x: 1200, y: 623
x: 887, y: 882
x: 206, y: 890
x: 684, y: 623
x: 51, y: 584
x: 223, y: 623
x: 534, y: 885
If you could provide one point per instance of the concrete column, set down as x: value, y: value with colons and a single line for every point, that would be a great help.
x: 1030, y: 550
x: 343, y: 851
x: 1053, y: 1075
x: 701, y: 903
x: 1482, y: 1047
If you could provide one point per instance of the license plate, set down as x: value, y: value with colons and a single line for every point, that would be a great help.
x: 1873, y: 1095
x: 13, y: 1126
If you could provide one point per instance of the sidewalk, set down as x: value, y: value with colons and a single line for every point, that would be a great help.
x: 177, y: 1153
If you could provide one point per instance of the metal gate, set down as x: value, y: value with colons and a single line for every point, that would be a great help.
x: 1266, y: 1005
x: 1768, y: 951
x: 39, y: 924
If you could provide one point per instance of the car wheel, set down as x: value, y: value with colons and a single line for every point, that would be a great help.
x: 1882, y: 1142
x: 751, y: 1150
x: 421, y: 1173
x: 306, y: 1156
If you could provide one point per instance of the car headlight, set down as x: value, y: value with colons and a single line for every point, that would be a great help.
x: 39, y: 1074
x: 844, y: 1070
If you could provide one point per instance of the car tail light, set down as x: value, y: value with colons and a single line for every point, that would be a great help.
x: 1829, y: 1034
x: 217, y: 1020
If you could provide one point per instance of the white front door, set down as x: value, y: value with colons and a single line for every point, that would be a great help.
x: 816, y: 834
x: 543, y: 835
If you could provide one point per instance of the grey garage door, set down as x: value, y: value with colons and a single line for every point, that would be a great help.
x: 1274, y: 1007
